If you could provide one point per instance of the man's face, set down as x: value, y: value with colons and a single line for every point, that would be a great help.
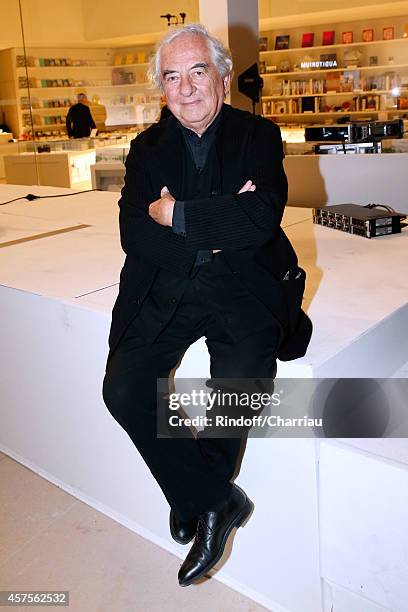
x: 193, y: 88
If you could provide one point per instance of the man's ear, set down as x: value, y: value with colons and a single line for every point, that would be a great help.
x: 227, y: 83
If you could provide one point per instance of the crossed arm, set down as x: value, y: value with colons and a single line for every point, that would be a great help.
x: 161, y: 210
x: 242, y: 220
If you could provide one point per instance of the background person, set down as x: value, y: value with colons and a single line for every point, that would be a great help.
x: 79, y: 120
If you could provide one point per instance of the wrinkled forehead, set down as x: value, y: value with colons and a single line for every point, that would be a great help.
x: 185, y: 51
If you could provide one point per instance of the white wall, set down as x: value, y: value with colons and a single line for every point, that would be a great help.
x: 76, y: 21
x: 271, y: 8
x: 45, y: 22
x: 133, y: 17
x: 319, y: 180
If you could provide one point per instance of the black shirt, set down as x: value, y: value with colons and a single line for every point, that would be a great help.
x: 199, y: 147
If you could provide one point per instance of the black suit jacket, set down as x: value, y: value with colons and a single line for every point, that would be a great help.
x: 79, y: 121
x: 246, y: 227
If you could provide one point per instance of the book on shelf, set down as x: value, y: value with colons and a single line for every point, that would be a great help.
x: 293, y: 106
x: 286, y: 87
x: 263, y: 43
x: 280, y: 107
x: 308, y: 104
x: 328, y: 60
x: 367, y: 35
x: 122, y: 77
x: 328, y: 37
x: 388, y: 33
x: 282, y: 42
x: 364, y: 103
x: 307, y: 39
x: 25, y: 102
x: 284, y: 66
x: 347, y: 38
x: 352, y: 58
x: 347, y: 81
x: 333, y: 81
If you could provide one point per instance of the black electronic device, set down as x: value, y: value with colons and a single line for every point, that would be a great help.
x: 370, y: 221
x: 308, y: 104
x: 343, y: 148
x: 369, y: 131
x: 250, y: 84
x: 327, y: 133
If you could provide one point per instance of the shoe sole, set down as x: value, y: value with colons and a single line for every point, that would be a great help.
x: 237, y: 522
x: 181, y: 541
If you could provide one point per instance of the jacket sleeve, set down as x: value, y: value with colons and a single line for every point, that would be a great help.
x: 140, y: 234
x: 238, y: 221
x: 68, y: 123
x: 91, y: 120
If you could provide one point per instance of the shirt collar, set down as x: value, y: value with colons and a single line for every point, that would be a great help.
x: 209, y: 132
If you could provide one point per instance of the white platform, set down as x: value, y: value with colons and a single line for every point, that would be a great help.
x: 56, y: 295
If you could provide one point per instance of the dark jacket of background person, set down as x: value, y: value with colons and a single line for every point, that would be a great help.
x: 79, y: 121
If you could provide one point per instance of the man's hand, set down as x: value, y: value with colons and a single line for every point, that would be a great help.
x: 161, y: 210
x: 248, y: 186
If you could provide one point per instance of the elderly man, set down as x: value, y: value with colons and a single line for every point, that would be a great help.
x: 200, y: 217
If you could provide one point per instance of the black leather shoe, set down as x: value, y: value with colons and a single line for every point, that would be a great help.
x: 182, y: 531
x: 213, y: 530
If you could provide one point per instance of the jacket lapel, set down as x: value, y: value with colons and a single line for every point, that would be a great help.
x: 168, y: 159
x: 229, y: 151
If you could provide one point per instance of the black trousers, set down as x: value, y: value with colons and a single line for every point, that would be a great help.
x: 194, y: 473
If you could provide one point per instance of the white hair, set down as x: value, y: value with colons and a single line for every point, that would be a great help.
x: 220, y: 55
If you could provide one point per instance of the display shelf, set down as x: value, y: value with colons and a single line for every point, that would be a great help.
x: 143, y: 65
x: 93, y: 87
x: 312, y: 115
x: 25, y: 82
x: 373, y: 73
x: 52, y: 126
x: 335, y: 46
x: 329, y: 114
x: 329, y: 94
x: 386, y: 67
x: 85, y: 66
x: 44, y: 109
x: 145, y: 104
x: 57, y: 109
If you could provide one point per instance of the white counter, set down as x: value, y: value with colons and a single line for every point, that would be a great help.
x: 8, y: 148
x: 56, y: 294
x: 57, y: 168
